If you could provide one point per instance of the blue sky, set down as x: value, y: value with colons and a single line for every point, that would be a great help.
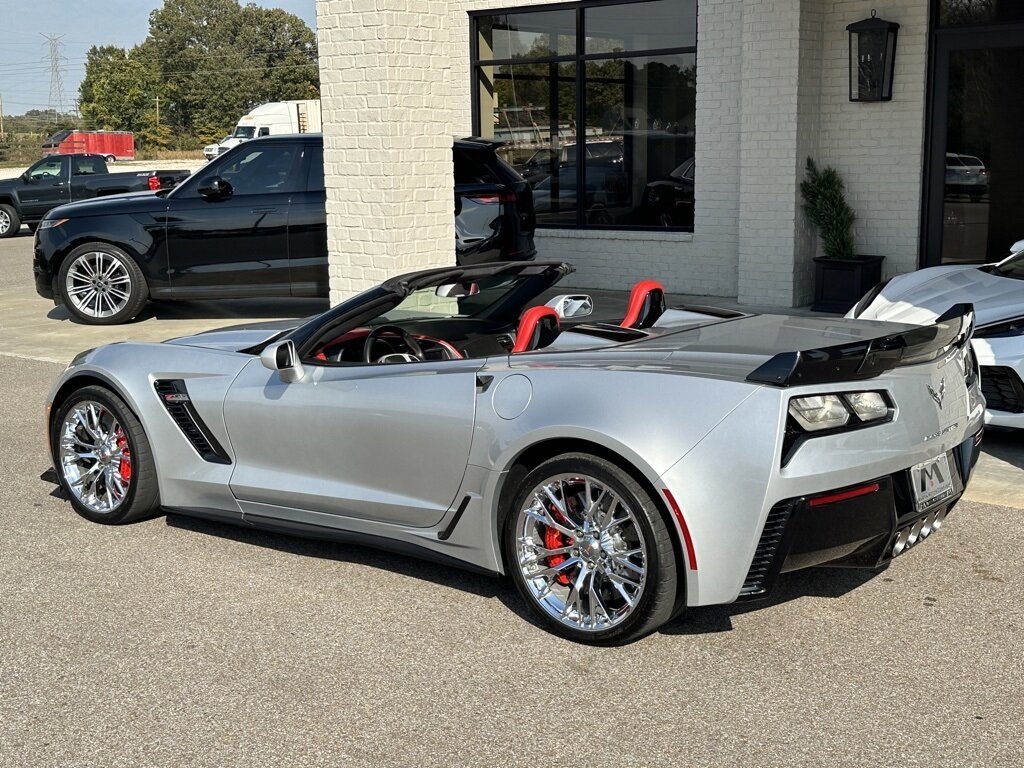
x: 24, y: 55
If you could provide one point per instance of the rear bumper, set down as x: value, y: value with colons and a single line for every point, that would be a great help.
x: 875, y: 522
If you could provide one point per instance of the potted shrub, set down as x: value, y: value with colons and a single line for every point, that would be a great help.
x: 841, y: 277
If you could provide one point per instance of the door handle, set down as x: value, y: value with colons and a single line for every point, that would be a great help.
x: 271, y: 209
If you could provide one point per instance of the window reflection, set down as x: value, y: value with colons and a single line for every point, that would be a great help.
x: 961, y: 12
x: 984, y: 167
x: 629, y: 161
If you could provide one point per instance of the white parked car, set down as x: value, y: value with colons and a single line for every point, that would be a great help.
x: 997, y: 293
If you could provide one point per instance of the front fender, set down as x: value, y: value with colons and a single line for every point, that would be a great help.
x: 130, y: 370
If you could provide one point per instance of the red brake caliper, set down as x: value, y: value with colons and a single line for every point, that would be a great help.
x: 555, y: 540
x: 124, y: 468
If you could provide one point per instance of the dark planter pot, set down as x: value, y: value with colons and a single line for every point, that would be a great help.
x: 840, y: 283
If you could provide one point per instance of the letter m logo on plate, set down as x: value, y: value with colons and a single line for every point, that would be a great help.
x: 931, y: 477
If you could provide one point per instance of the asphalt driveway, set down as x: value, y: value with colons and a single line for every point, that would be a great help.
x: 179, y: 643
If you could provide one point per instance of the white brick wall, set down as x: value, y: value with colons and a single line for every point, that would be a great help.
x: 879, y: 148
x: 385, y: 87
x: 771, y: 90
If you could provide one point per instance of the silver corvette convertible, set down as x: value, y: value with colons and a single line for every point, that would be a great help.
x: 619, y: 472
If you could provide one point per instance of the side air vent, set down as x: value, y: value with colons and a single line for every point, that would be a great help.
x: 174, y: 396
x: 767, y: 549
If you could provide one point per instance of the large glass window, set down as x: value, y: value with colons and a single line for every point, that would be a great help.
x: 596, y: 106
x: 960, y: 12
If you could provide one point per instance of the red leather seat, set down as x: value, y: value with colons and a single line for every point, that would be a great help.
x: 646, y: 305
x: 538, y: 327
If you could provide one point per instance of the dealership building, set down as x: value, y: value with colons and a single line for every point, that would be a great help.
x: 686, y: 124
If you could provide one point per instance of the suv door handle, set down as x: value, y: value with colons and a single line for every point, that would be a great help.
x: 271, y: 209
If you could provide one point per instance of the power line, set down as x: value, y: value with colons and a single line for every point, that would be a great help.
x: 56, y: 80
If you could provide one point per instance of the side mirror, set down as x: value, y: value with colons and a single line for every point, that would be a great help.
x: 570, y: 307
x: 215, y: 189
x: 457, y: 290
x: 282, y: 357
x: 1017, y: 247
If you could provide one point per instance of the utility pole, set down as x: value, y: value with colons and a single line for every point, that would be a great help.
x: 1, y: 115
x: 56, y: 79
x: 157, y: 100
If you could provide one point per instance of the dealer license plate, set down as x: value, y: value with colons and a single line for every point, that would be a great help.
x: 932, y: 481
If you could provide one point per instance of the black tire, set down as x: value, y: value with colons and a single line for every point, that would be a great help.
x: 661, y: 597
x: 110, y: 158
x: 138, y: 288
x: 143, y: 497
x: 10, y: 221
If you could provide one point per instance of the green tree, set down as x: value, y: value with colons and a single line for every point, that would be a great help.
x: 118, y: 90
x: 209, y: 62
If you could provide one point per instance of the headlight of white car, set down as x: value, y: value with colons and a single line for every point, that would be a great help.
x: 816, y: 413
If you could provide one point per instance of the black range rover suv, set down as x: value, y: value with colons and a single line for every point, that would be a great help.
x: 250, y: 223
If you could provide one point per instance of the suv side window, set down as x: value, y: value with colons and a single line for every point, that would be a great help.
x: 263, y: 169
x: 470, y: 170
x: 315, y: 178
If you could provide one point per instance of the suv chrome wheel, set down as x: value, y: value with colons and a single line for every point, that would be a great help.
x: 98, y: 284
x: 5, y: 222
x: 95, y: 457
x: 581, y: 552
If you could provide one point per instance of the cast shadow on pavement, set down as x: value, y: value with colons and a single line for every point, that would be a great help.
x: 814, y: 582
x: 228, y: 310
x: 1005, y: 444
x: 478, y: 584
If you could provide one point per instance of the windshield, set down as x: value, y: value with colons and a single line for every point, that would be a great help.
x: 425, y: 304
x: 244, y: 132
x: 1011, y: 267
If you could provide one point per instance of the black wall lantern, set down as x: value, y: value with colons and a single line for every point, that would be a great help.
x: 872, y: 58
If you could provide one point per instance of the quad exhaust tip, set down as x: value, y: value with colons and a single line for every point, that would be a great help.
x: 919, y: 531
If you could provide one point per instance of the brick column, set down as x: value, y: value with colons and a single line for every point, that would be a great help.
x: 778, y: 129
x: 385, y: 90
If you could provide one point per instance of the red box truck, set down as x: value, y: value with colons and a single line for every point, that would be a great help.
x: 113, y: 145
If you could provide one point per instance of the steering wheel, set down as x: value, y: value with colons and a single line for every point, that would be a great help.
x: 415, y: 350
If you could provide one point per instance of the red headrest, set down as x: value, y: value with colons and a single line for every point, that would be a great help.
x: 646, y: 305
x: 538, y: 327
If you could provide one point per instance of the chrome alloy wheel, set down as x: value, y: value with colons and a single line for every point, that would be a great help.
x: 5, y: 222
x: 581, y: 552
x: 98, y: 284
x: 95, y: 457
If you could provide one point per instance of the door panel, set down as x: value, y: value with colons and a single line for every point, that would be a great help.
x: 237, y: 246
x: 47, y: 189
x: 380, y: 442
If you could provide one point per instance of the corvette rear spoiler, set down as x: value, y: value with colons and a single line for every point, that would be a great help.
x: 867, y: 359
